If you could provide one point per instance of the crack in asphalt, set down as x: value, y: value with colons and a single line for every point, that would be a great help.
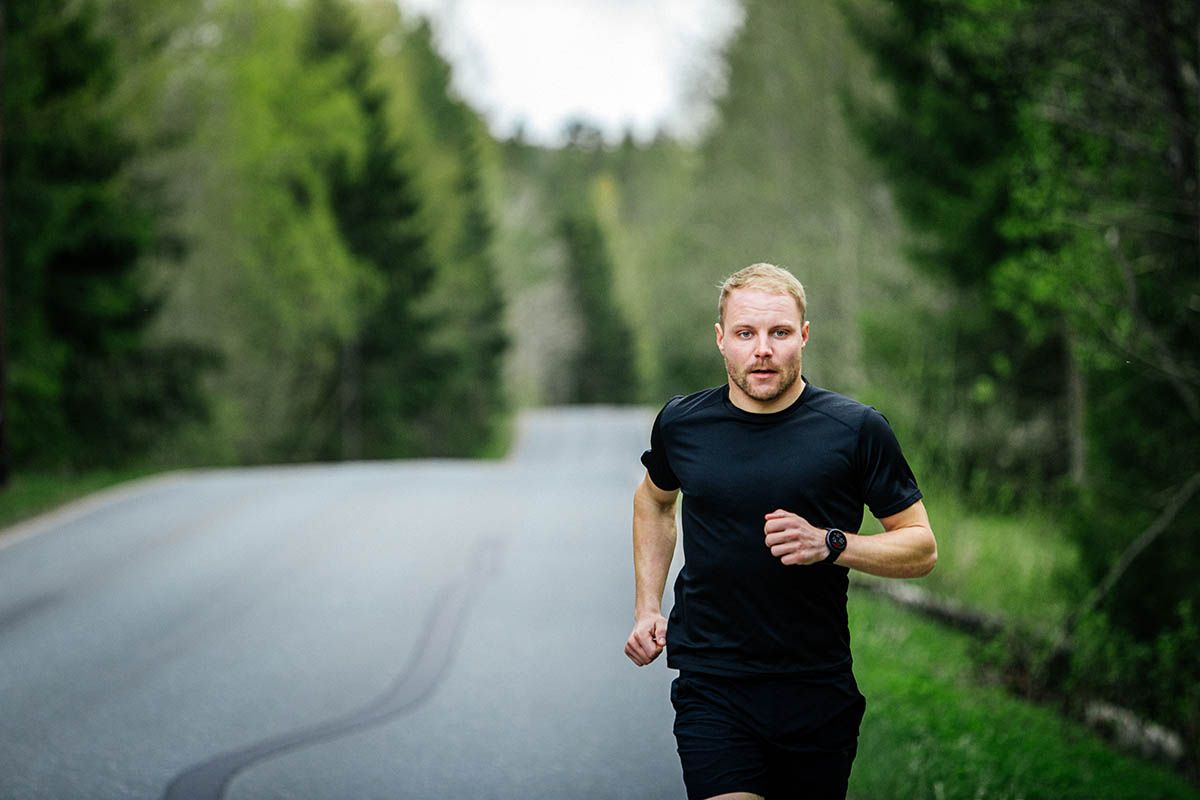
x: 210, y: 779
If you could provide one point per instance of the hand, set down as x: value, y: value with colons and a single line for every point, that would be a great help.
x: 793, y: 540
x: 648, y: 639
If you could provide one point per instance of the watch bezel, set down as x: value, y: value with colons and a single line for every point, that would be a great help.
x: 836, y: 544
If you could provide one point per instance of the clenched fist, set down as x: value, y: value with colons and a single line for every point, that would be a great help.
x: 793, y: 540
x: 648, y: 639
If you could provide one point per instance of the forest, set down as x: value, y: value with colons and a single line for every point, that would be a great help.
x: 257, y: 232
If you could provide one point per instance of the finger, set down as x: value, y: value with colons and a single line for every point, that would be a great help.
x: 800, y: 556
x: 634, y: 649
x: 660, y: 633
x: 781, y: 537
x: 778, y: 524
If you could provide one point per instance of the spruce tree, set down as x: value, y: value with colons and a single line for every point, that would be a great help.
x: 86, y: 386
x: 603, y: 369
x: 384, y: 373
x: 466, y: 300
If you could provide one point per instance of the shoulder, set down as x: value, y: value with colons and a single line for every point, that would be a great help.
x: 683, y: 407
x: 846, y: 410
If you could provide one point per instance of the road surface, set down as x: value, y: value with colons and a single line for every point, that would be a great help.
x: 425, y: 629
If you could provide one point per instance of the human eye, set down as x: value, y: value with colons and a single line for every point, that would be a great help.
x: 744, y: 334
x: 782, y: 333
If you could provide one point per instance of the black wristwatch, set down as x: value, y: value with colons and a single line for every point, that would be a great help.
x: 835, y: 540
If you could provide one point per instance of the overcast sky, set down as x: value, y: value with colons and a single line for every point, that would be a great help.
x: 617, y: 63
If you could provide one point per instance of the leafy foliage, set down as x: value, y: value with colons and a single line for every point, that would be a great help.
x: 1066, y: 137
x: 946, y: 138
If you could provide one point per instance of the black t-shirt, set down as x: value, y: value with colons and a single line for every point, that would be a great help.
x: 738, y: 609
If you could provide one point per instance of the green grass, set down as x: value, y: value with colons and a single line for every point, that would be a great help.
x: 932, y: 732
x: 30, y: 494
x: 1021, y: 565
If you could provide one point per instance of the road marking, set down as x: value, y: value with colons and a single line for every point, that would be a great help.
x: 210, y: 779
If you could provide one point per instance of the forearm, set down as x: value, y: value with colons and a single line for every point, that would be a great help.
x: 653, y: 548
x: 906, y: 552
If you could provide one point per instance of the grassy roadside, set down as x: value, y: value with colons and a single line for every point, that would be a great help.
x: 1018, y: 565
x: 932, y: 732
x: 28, y: 495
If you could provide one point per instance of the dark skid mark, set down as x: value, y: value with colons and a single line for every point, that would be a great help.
x: 12, y: 616
x: 210, y: 779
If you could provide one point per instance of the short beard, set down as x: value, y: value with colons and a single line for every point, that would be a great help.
x: 787, y: 378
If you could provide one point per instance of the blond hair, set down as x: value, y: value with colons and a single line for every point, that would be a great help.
x: 768, y: 278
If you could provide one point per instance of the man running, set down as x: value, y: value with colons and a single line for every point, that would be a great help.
x: 774, y: 473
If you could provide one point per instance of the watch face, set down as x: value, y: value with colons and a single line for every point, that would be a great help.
x: 837, y: 540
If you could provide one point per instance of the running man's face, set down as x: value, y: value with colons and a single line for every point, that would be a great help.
x: 762, y: 341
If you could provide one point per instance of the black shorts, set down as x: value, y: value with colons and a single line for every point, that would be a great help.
x: 775, y: 737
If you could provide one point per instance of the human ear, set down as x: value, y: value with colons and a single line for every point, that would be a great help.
x: 720, y: 337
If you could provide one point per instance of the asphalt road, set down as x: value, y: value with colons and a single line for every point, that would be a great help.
x: 428, y: 629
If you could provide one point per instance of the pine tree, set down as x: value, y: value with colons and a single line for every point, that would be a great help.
x: 86, y: 387
x: 384, y: 373
x: 466, y: 302
x: 603, y: 368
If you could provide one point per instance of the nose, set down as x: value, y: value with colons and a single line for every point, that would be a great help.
x: 762, y: 346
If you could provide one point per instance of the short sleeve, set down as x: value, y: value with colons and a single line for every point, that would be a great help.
x: 888, y: 484
x: 655, y: 459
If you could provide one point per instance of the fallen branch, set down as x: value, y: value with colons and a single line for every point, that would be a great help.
x: 956, y: 615
x: 1131, y: 732
x: 1123, y: 727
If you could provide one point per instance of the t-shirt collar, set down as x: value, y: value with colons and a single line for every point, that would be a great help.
x: 772, y: 416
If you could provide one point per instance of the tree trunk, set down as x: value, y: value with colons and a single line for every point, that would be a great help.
x: 4, y: 455
x: 1076, y: 412
x: 350, y: 402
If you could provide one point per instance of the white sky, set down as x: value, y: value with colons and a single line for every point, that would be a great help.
x: 641, y: 64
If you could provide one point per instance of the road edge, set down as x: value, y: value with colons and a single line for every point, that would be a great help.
x: 74, y: 509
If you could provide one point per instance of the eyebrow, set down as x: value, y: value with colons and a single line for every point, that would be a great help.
x: 738, y: 325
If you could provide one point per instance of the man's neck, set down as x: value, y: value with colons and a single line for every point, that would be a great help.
x: 747, y: 403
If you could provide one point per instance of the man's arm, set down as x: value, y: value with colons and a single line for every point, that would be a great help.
x: 653, y: 547
x: 905, y: 549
